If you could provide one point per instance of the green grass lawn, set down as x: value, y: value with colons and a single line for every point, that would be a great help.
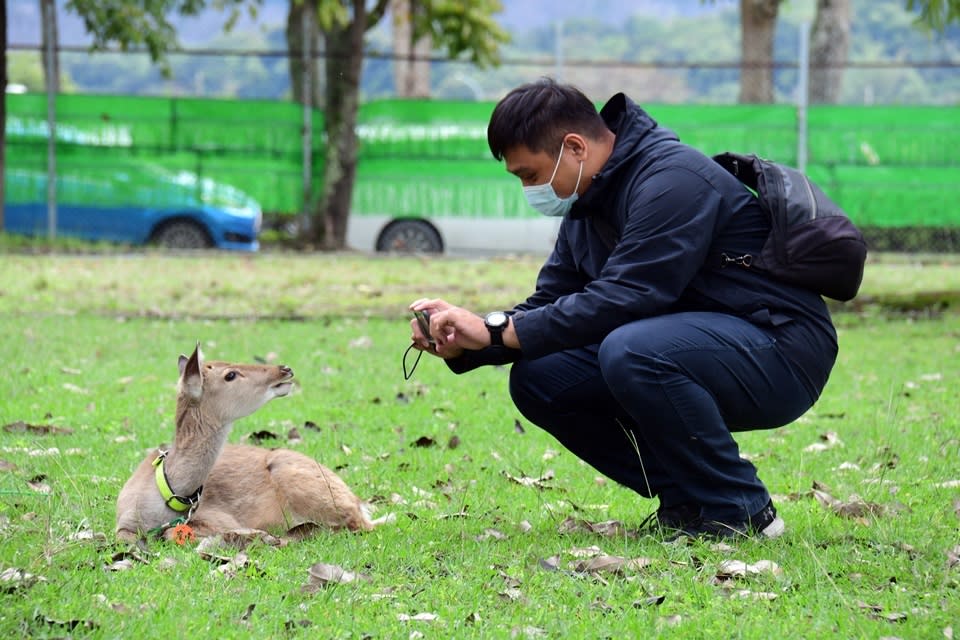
x: 482, y: 544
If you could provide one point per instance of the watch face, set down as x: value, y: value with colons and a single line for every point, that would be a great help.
x: 496, y: 319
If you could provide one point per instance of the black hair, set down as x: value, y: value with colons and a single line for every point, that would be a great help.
x: 538, y: 114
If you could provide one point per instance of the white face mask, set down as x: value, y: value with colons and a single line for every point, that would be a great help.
x: 544, y: 199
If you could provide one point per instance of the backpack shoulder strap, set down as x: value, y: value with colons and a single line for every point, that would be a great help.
x: 747, y: 169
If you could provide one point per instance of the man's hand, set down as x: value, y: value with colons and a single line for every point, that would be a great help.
x: 445, y: 348
x: 455, y: 329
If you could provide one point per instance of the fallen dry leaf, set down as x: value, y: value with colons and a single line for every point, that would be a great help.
x: 600, y: 605
x: 35, y: 429
x: 509, y: 580
x: 363, y: 342
x: 537, y: 483
x: 125, y: 560
x: 827, y: 441
x: 229, y: 566
x: 752, y: 595
x: 69, y: 625
x: 37, y: 484
x: 739, y: 569
x: 611, y: 564
x: 303, y: 623
x: 259, y: 436
x: 242, y: 538
x: 87, y: 534
x: 671, y: 621
x: 953, y: 557
x: 609, y: 528
x: 511, y: 594
x: 12, y: 579
x: 876, y: 612
x: 491, y: 534
x: 322, y: 574
x: 118, y: 607
x: 234, y: 565
x: 856, y: 508
x: 419, y: 617
x: 248, y: 612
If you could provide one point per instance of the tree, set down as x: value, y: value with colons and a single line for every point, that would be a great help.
x: 829, y: 43
x: 935, y: 14
x: 411, y: 59
x: 136, y: 23
x: 460, y: 27
x: 758, y: 22
x: 829, y: 49
x: 830, y: 40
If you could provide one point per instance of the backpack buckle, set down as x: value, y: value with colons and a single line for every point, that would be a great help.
x: 743, y: 261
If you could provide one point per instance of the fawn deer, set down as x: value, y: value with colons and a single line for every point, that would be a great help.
x: 218, y: 487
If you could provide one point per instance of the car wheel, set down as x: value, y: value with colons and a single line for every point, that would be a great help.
x: 182, y: 234
x: 410, y: 236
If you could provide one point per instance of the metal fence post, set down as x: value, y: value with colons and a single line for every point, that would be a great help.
x: 50, y: 71
x: 307, y: 102
x: 803, y: 93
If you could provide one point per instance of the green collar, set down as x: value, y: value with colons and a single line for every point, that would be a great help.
x: 175, y: 502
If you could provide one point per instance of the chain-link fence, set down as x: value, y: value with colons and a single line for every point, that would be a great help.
x: 889, y: 158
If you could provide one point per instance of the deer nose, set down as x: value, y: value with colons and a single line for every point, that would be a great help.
x: 285, y: 370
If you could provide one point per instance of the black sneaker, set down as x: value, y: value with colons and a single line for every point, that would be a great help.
x: 763, y: 525
x: 673, y: 518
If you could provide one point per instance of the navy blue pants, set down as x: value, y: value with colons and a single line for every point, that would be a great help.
x: 654, y: 406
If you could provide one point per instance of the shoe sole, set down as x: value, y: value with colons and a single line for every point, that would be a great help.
x: 773, y: 530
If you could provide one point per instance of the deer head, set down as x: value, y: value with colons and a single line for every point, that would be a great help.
x: 224, y: 392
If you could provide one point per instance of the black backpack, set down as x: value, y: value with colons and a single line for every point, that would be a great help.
x: 812, y: 242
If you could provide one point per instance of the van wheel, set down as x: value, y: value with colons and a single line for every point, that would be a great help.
x: 410, y: 236
x: 182, y: 234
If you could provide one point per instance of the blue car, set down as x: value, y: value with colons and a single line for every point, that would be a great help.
x: 135, y: 204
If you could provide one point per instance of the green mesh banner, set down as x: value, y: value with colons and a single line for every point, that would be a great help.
x: 887, y: 166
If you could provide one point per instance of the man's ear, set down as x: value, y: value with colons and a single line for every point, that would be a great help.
x: 577, y: 145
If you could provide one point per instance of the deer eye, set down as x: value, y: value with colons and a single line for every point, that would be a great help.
x: 231, y: 375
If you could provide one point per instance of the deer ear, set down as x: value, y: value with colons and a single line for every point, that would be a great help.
x: 182, y: 362
x: 191, y: 380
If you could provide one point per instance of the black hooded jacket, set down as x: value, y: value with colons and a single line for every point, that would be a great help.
x: 674, y: 211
